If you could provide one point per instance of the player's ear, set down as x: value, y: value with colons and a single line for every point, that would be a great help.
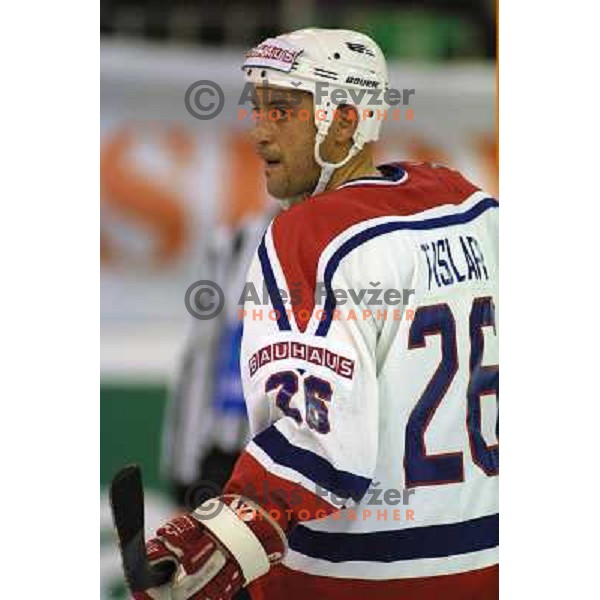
x: 345, y: 122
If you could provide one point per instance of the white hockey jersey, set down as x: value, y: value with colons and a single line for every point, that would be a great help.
x: 371, y: 380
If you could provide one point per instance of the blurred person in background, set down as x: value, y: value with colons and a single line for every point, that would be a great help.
x: 206, y: 424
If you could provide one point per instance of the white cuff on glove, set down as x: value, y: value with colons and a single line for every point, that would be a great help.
x: 236, y: 536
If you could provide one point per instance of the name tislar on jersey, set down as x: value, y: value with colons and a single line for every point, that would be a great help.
x: 454, y: 260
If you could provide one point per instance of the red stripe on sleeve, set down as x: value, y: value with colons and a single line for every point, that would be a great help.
x: 287, y: 502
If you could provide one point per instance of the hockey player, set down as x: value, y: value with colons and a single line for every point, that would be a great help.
x: 374, y: 389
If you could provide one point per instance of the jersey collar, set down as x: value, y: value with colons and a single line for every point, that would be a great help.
x: 391, y: 174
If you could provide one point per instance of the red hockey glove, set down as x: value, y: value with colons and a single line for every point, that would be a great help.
x: 219, y: 548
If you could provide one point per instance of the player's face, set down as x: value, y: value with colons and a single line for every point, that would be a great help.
x: 284, y: 136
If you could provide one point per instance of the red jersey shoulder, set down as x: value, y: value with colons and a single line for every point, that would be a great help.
x: 420, y: 186
x: 439, y: 178
x: 301, y: 234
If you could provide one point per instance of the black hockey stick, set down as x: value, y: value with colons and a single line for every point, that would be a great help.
x: 127, y: 504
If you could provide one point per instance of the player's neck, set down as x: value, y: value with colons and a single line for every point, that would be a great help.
x: 359, y: 166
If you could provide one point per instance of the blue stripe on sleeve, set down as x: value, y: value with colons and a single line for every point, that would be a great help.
x: 311, y: 465
x: 269, y: 276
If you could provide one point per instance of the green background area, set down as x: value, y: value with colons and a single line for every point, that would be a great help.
x: 131, y: 418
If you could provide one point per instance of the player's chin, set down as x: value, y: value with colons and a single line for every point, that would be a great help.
x: 277, y: 187
x: 282, y: 187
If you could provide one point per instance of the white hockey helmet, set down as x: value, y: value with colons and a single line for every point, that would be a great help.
x: 324, y: 60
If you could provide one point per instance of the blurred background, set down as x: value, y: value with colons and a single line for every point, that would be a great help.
x: 183, y: 200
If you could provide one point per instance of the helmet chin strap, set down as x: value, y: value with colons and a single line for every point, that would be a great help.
x: 327, y: 168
